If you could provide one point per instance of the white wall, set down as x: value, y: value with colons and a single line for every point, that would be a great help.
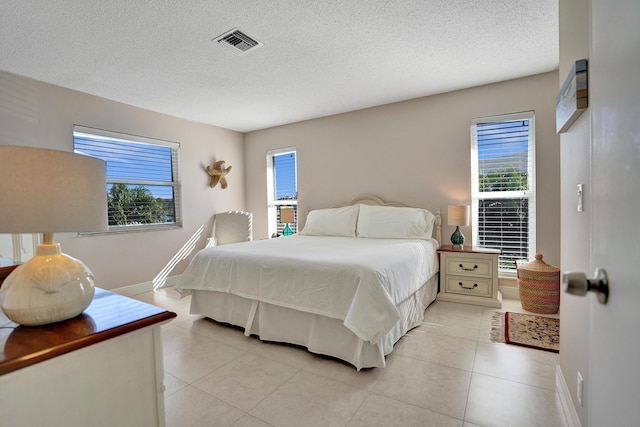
x: 416, y: 152
x: 37, y: 114
x: 575, y: 169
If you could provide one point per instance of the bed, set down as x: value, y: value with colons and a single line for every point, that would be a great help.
x: 349, y: 285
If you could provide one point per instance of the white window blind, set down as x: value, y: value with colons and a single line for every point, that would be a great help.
x: 282, y: 187
x: 143, y: 188
x: 503, y: 186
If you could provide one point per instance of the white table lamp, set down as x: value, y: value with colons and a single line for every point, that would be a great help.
x: 458, y: 216
x: 47, y: 191
x: 287, y: 217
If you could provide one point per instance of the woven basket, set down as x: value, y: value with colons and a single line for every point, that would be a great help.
x: 539, y: 285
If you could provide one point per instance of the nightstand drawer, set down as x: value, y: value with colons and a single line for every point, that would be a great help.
x: 468, y: 286
x: 476, y: 267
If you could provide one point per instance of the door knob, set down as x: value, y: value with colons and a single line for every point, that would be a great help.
x: 576, y: 283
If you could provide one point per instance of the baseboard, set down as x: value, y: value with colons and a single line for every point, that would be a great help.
x: 510, y: 292
x: 565, y: 400
x: 141, y: 288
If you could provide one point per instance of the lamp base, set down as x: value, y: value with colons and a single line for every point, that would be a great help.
x: 457, y: 238
x: 287, y: 230
x: 48, y: 288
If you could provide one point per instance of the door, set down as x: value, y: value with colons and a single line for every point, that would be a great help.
x: 614, y: 343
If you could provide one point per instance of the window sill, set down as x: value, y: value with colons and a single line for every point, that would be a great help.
x: 134, y: 229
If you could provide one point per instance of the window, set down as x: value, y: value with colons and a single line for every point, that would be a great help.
x: 503, y: 186
x: 282, y: 188
x: 143, y: 189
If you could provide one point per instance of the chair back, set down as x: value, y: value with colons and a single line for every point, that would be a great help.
x: 231, y: 227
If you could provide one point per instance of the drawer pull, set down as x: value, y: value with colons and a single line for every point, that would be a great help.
x: 475, y: 267
x: 475, y: 285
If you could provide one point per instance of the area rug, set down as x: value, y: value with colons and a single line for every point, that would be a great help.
x: 528, y: 330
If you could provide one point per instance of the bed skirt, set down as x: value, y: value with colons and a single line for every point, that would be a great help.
x: 319, y: 334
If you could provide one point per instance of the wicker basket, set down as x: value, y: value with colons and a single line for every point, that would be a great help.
x: 539, y: 285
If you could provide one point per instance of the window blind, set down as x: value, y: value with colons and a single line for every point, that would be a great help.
x: 284, y: 176
x: 142, y: 177
x: 282, y: 187
x: 503, y: 186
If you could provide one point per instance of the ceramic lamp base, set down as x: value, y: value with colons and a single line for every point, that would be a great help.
x: 457, y: 238
x: 48, y: 288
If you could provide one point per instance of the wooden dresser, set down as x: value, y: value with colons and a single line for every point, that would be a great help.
x: 101, y: 368
x: 6, y: 269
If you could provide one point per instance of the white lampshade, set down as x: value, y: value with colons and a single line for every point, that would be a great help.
x: 51, y: 191
x: 286, y: 215
x: 47, y: 191
x: 458, y: 215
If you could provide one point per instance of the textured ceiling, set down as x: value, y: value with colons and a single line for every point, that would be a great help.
x: 319, y: 57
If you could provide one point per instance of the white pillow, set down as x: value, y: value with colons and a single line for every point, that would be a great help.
x: 390, y: 222
x: 332, y: 222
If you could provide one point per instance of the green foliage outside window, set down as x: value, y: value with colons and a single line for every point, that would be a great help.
x: 504, y: 222
x: 506, y: 179
x: 134, y: 206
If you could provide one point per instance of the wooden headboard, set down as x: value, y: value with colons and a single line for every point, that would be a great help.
x: 377, y: 201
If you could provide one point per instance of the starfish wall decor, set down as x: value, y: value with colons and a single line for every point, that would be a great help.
x: 217, y: 173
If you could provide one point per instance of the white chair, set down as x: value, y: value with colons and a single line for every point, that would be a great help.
x: 231, y: 227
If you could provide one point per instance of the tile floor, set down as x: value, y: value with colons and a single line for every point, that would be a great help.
x: 446, y: 372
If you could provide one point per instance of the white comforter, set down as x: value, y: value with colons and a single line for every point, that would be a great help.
x: 357, y: 280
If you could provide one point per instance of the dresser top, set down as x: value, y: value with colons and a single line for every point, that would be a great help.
x: 109, y: 315
x: 469, y: 249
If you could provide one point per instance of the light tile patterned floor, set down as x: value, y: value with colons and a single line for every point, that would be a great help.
x: 446, y: 372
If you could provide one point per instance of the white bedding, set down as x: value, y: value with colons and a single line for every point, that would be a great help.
x: 359, y: 281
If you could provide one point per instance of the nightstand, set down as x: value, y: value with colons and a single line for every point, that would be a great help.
x: 469, y: 275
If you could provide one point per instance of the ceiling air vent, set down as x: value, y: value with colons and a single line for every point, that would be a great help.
x: 238, y: 41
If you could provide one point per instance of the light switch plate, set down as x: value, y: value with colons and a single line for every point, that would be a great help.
x: 580, y: 208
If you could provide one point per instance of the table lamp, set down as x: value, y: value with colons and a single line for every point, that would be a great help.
x: 458, y: 215
x: 47, y: 191
x: 286, y: 217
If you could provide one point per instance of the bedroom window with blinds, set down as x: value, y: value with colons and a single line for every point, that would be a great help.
x: 143, y: 186
x: 282, y: 188
x: 503, y: 186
